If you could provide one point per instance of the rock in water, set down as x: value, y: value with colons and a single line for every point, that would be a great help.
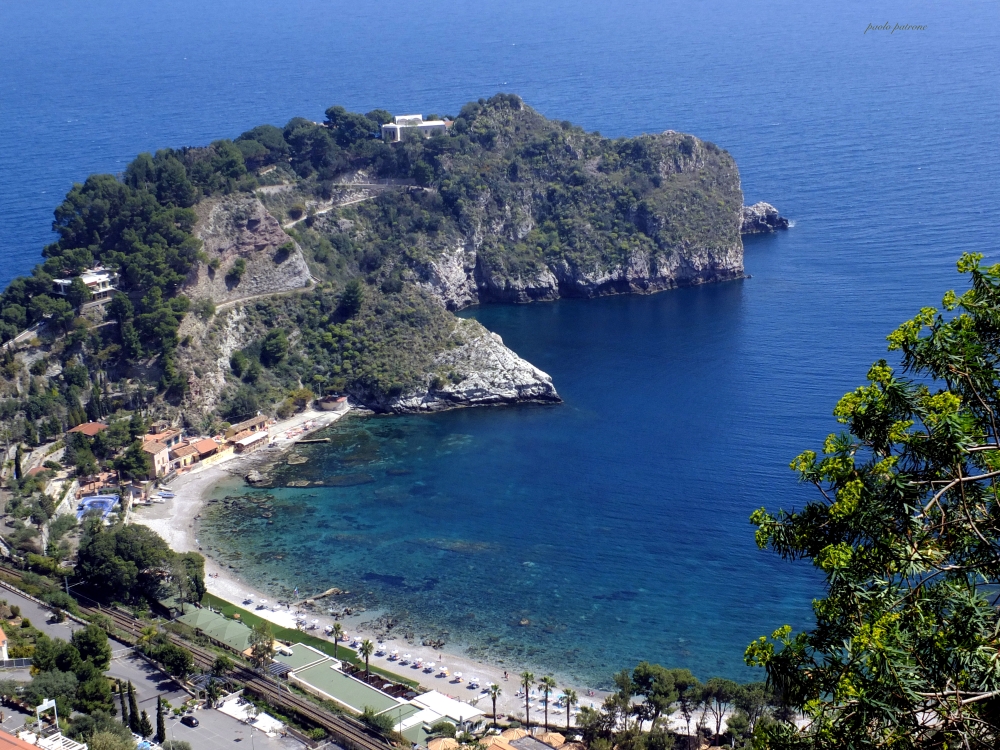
x: 762, y: 218
x: 254, y: 477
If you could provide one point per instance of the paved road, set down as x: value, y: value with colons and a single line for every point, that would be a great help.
x: 148, y: 680
x: 216, y: 730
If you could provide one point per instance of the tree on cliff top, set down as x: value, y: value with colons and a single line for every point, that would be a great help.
x: 906, y: 530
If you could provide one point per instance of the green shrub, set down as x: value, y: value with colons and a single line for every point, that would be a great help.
x: 236, y: 272
x: 443, y: 729
x: 204, y: 308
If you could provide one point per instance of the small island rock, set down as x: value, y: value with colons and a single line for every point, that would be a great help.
x: 762, y: 218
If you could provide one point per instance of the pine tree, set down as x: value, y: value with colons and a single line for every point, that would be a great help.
x: 121, y: 698
x: 133, y: 710
x: 95, y: 407
x: 145, y: 727
x: 161, y: 728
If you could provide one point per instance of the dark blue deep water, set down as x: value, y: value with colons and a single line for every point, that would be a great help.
x: 616, y: 523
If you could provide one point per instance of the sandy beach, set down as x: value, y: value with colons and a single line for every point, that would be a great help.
x: 175, y: 521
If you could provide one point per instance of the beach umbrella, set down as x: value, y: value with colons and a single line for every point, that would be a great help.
x: 458, y: 675
x: 513, y: 734
x: 496, y: 741
x: 552, y: 739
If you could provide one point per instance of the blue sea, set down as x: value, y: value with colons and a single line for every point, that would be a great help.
x: 615, y: 524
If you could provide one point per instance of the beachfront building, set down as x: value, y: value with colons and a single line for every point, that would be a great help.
x: 433, y: 707
x: 159, y: 458
x: 169, y: 437
x: 100, y: 281
x: 254, y: 424
x: 408, y: 126
x: 205, y: 448
x: 183, y: 456
x: 252, y: 442
x: 54, y: 740
x: 332, y: 403
x: 94, y: 483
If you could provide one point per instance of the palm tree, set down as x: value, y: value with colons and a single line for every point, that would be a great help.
x: 146, y: 635
x: 547, y: 684
x: 494, y: 694
x: 570, y: 696
x: 366, y: 650
x: 338, y: 633
x: 527, y: 680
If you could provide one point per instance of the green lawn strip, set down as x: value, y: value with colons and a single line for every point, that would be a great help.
x: 292, y: 635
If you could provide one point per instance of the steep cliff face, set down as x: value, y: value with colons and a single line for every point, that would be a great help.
x: 206, y: 356
x: 238, y: 228
x: 481, y: 371
x: 663, y: 212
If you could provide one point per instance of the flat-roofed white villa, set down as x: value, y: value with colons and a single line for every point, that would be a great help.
x: 406, y: 126
x: 99, y: 280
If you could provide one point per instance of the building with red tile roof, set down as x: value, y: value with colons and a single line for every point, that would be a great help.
x: 90, y: 429
x: 206, y: 448
x: 10, y: 742
x: 159, y: 456
x: 183, y: 455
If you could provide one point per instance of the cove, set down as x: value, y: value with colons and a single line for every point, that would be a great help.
x: 581, y: 538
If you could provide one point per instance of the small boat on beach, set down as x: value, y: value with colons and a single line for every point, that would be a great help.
x: 167, y: 494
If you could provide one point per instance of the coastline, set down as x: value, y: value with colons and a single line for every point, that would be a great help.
x: 175, y: 520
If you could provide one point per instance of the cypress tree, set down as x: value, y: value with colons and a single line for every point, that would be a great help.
x: 161, y: 728
x: 145, y: 727
x: 121, y: 697
x: 133, y: 710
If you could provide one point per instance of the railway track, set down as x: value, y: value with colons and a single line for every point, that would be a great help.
x: 348, y: 732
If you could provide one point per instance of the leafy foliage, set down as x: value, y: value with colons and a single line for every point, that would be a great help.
x: 905, y: 531
x: 133, y: 563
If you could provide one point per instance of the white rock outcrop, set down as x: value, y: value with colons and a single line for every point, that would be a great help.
x: 479, y: 372
x: 762, y: 218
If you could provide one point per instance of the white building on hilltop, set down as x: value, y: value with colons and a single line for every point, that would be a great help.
x: 100, y: 281
x: 406, y: 126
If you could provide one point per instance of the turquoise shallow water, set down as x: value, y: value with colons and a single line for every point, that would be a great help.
x: 615, y: 523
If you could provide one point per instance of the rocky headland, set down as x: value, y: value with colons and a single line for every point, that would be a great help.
x: 318, y: 259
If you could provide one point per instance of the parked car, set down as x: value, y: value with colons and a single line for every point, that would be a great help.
x: 190, y: 721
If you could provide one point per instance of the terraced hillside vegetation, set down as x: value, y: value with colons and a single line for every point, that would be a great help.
x: 316, y: 258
